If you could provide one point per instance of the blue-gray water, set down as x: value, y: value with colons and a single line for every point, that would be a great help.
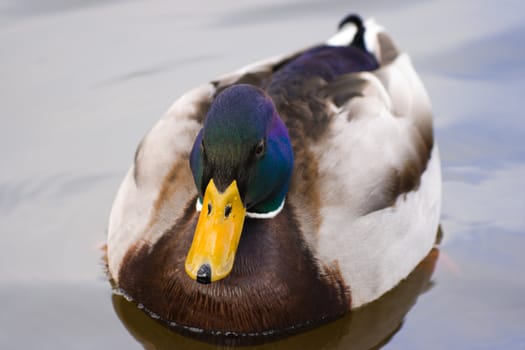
x: 82, y: 81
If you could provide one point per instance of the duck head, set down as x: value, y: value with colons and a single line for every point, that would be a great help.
x: 242, y: 162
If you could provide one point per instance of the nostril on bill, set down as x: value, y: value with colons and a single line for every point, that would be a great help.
x: 227, y: 210
x: 204, y: 274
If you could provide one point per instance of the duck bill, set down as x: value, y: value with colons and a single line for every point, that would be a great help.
x: 217, y: 235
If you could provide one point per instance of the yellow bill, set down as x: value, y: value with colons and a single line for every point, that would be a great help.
x: 217, y: 235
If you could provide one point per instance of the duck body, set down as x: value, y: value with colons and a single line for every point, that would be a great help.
x: 328, y: 157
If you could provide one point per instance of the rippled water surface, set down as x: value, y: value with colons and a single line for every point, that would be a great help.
x: 82, y: 81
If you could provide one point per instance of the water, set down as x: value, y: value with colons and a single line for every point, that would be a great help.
x: 82, y: 81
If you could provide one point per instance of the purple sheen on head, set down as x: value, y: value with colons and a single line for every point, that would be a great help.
x: 241, y: 117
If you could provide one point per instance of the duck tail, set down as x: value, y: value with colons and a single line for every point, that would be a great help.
x: 353, y: 31
x: 359, y: 37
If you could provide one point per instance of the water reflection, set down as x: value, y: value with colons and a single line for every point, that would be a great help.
x: 482, y: 59
x: 83, y: 80
x: 267, y: 12
x: 38, y: 7
x: 369, y: 327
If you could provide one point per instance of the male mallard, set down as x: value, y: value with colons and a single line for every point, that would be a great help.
x: 284, y: 194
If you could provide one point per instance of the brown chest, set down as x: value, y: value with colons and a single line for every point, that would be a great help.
x: 275, y: 284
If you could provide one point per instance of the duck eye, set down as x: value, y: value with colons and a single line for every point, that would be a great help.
x: 260, y: 148
x: 209, y: 208
x: 228, y: 210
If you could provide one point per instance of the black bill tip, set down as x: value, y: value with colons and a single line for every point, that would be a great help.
x: 204, y: 274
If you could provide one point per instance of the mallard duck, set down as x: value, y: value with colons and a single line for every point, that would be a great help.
x: 282, y: 195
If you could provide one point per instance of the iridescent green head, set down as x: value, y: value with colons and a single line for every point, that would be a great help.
x: 245, y: 140
x: 242, y: 162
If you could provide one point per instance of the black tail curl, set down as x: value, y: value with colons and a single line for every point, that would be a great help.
x: 359, y: 38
